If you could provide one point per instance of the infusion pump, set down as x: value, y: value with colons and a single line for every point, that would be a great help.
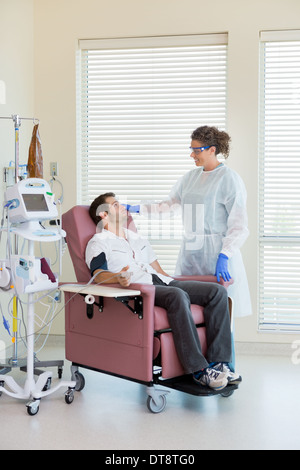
x: 30, y: 200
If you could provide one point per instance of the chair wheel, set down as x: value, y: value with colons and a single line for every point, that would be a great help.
x: 158, y: 406
x: 80, y: 381
x: 227, y: 393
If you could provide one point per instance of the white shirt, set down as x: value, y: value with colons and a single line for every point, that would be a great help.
x: 133, y: 251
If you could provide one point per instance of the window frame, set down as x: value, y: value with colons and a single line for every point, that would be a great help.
x: 283, y: 238
x: 168, y: 237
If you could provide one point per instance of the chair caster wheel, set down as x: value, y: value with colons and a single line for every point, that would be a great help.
x: 158, y: 405
x: 80, y: 381
x: 227, y: 393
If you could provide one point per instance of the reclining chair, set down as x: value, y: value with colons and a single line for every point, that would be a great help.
x: 125, y: 336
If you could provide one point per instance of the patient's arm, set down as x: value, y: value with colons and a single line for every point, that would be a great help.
x: 107, y: 277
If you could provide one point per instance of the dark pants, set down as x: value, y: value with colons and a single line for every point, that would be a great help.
x: 176, y: 298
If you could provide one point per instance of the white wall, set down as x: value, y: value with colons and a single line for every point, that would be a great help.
x: 16, y: 70
x: 58, y: 24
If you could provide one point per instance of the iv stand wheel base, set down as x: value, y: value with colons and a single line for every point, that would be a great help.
x: 33, y: 406
x: 35, y: 390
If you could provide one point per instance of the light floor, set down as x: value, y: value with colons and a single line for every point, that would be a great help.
x: 111, y: 414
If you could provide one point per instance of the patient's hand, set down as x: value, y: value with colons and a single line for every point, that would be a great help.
x: 124, y: 277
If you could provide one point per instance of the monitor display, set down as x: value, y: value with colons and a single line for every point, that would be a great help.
x: 35, y: 202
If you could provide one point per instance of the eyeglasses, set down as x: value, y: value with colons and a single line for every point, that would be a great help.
x: 197, y: 150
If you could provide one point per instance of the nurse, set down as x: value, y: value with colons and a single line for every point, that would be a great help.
x: 213, y: 197
x: 213, y: 202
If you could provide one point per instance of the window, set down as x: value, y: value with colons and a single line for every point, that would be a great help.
x: 279, y: 187
x: 138, y: 102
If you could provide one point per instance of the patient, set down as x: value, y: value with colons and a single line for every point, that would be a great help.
x: 117, y: 254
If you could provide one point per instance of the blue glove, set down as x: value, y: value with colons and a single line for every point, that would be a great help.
x: 132, y: 209
x: 222, y: 268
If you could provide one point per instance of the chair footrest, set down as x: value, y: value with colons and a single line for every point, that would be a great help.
x: 185, y: 384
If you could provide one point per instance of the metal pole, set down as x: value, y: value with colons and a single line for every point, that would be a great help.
x: 17, y: 120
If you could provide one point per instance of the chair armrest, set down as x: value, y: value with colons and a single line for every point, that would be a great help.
x: 204, y: 278
x: 143, y: 288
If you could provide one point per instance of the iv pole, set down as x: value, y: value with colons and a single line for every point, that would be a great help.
x: 17, y: 121
x: 40, y: 388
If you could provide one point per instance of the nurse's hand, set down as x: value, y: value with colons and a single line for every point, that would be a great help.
x: 132, y: 209
x: 222, y: 268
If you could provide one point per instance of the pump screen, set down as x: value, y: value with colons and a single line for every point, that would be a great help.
x: 35, y: 202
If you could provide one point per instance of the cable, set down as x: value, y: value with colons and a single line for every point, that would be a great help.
x: 51, y: 309
x: 55, y: 179
x: 72, y: 297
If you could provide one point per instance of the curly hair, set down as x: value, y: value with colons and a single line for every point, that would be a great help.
x: 213, y: 137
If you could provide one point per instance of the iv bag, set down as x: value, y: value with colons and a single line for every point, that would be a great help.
x: 35, y: 157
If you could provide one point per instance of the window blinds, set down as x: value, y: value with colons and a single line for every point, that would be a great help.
x: 279, y: 187
x: 139, y: 99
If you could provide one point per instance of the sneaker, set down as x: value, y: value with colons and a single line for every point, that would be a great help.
x: 233, y: 377
x: 211, y: 378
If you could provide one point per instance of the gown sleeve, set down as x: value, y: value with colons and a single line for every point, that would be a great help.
x: 237, y: 222
x: 169, y: 206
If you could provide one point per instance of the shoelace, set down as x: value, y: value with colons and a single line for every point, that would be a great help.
x: 222, y: 367
x: 210, y: 374
x: 231, y: 376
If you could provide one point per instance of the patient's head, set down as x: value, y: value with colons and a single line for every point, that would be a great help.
x: 100, y: 205
x: 108, y: 213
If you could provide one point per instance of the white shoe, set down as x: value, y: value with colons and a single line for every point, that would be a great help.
x: 232, y: 377
x: 212, y: 378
